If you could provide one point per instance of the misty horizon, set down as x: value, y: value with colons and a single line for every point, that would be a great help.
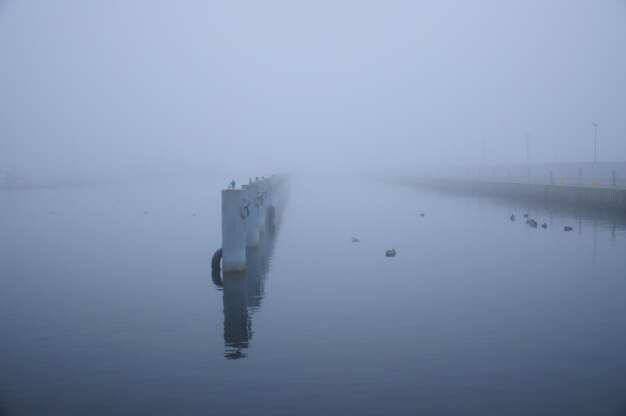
x: 108, y: 90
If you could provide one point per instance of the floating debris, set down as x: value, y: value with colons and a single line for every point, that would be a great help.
x: 526, y: 215
x: 567, y: 228
x: 544, y: 225
x: 421, y: 214
x: 355, y: 240
x: 512, y: 217
x: 390, y: 253
x: 532, y: 223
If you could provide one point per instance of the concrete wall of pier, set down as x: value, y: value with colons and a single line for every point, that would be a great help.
x: 601, y: 197
x: 597, y: 184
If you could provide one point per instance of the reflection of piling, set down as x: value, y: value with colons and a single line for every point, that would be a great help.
x: 242, y: 295
x: 237, y: 330
x: 254, y: 274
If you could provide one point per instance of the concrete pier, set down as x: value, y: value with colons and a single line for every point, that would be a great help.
x: 245, y: 215
x: 598, y: 184
x: 599, y: 197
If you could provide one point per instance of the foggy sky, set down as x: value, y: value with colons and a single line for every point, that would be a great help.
x: 117, y: 87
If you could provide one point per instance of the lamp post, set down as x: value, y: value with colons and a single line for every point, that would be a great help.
x: 528, y: 155
x: 506, y: 145
x: 484, y: 154
x: 595, y: 141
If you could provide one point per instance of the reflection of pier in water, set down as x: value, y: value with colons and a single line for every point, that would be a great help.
x: 242, y: 295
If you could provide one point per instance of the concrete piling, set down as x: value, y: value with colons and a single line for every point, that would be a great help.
x: 233, y: 230
x: 261, y: 203
x: 244, y: 218
x: 252, y: 222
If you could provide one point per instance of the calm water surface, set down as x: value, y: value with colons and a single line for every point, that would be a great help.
x: 108, y: 310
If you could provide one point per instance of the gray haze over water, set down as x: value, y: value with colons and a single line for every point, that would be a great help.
x: 108, y: 304
x: 107, y: 310
x: 120, y: 89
